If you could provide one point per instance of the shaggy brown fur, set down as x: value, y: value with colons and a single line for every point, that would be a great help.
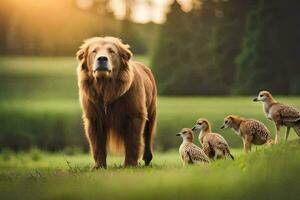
x: 119, y: 104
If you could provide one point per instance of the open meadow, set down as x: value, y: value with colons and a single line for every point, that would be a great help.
x: 209, y: 59
x: 39, y: 109
x: 270, y: 173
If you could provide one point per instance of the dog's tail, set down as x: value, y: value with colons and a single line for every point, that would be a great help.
x: 115, y: 143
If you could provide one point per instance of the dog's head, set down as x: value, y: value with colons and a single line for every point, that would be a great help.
x: 103, y: 57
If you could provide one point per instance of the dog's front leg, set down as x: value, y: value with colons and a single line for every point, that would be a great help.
x: 133, y: 141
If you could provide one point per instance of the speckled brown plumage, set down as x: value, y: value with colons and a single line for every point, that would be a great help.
x: 214, y: 145
x: 283, y: 114
x: 250, y: 130
x: 280, y: 114
x: 256, y: 130
x: 189, y: 152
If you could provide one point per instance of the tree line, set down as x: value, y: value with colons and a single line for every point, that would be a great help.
x: 57, y: 28
x: 229, y: 47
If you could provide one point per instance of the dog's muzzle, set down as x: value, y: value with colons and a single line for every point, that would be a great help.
x: 101, y: 64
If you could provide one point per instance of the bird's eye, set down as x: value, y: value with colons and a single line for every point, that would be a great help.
x: 226, y: 121
x: 261, y: 95
x: 199, y: 123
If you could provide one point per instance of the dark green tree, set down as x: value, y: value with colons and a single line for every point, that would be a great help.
x: 268, y: 59
x: 226, y: 41
x: 171, y: 51
x: 181, y: 61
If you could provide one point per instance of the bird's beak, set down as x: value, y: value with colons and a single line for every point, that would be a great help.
x: 255, y: 99
x: 177, y: 134
x: 223, y: 126
x: 194, y: 128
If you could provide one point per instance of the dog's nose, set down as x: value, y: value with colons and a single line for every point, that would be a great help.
x: 101, y: 64
x: 102, y: 59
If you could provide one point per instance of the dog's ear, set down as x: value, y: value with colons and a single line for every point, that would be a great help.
x: 81, y: 56
x: 124, y: 51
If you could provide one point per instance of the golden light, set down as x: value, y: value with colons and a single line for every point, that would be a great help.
x: 84, y: 4
x: 186, y: 5
x: 143, y: 11
x: 118, y: 7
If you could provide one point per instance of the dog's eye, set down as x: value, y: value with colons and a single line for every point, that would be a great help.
x: 94, y: 51
x: 111, y: 51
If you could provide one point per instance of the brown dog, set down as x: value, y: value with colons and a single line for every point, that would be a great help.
x: 118, y: 99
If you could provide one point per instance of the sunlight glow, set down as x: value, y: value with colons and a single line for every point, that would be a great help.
x: 84, y: 4
x: 143, y: 11
x: 186, y: 5
x: 118, y: 8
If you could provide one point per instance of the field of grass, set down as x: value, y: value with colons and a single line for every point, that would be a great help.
x: 39, y: 108
x: 268, y: 173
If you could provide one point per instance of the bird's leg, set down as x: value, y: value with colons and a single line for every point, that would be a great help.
x: 247, y: 143
x: 287, y: 133
x: 247, y: 146
x: 277, y: 136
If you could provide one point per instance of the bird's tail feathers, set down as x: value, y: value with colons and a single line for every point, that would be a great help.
x: 231, y: 156
x: 297, y: 130
x: 228, y: 153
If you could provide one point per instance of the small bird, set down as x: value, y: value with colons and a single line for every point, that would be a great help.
x: 280, y: 114
x: 214, y: 145
x: 189, y: 152
x: 250, y: 130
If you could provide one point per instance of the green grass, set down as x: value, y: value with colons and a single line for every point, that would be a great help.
x: 59, y: 120
x: 40, y: 77
x: 39, y: 107
x: 268, y: 173
x: 44, y: 66
x: 178, y: 112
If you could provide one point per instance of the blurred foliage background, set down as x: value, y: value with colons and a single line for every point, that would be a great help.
x: 57, y: 28
x: 229, y: 47
x: 194, y: 47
